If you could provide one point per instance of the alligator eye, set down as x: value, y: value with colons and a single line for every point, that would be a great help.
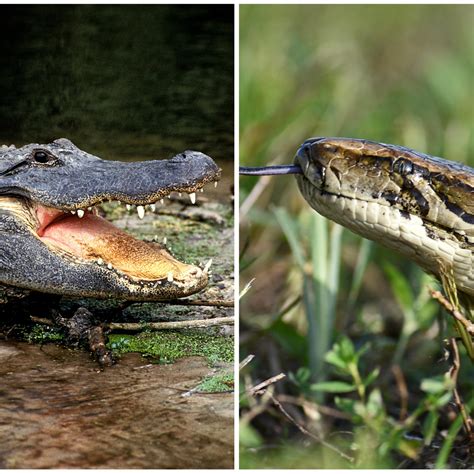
x: 403, y: 167
x: 41, y: 157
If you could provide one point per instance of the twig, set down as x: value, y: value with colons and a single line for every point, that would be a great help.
x: 305, y: 404
x: 137, y: 327
x: 46, y: 321
x: 453, y: 373
x: 452, y: 310
x: 402, y: 390
x: 185, y: 302
x: 257, y: 407
x: 196, y: 323
x: 247, y: 204
x: 258, y: 388
x: 246, y: 361
x: 311, y: 435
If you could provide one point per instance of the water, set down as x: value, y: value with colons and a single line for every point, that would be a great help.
x: 119, y: 81
x: 57, y: 410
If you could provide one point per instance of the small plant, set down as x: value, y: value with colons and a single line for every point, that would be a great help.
x: 220, y: 382
x: 367, y: 409
x: 42, y: 334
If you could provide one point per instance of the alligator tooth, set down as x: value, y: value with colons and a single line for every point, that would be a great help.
x: 179, y: 194
x: 89, y: 209
x: 128, y: 206
x: 119, y: 202
x: 164, y: 240
x: 192, y: 196
x: 162, y: 201
x: 109, y: 266
x: 170, y: 277
x: 202, y: 190
x: 169, y: 196
x: 80, y: 213
x: 155, y: 237
x: 215, y: 184
x: 208, y: 265
x: 73, y: 212
x: 100, y: 261
x: 153, y: 207
x: 141, y: 212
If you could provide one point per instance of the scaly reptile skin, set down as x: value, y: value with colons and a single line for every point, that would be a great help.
x: 419, y: 205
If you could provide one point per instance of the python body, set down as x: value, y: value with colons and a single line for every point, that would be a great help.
x: 419, y: 205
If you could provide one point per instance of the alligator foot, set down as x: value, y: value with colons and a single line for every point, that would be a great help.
x: 82, y: 329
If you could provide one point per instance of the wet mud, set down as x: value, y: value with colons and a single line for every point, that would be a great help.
x: 57, y: 410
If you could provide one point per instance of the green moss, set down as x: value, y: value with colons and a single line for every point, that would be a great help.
x: 221, y: 382
x: 170, y: 345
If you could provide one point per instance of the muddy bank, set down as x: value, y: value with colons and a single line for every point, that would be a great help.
x: 58, y: 411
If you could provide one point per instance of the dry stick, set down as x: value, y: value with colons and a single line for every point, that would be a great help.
x: 325, y: 410
x: 453, y: 373
x: 137, y: 327
x: 196, y: 323
x: 185, y: 302
x: 257, y: 388
x: 311, y: 435
x: 246, y: 361
x: 257, y: 408
x: 46, y: 321
x: 402, y: 390
x: 253, y: 196
x: 451, y: 309
x: 261, y: 389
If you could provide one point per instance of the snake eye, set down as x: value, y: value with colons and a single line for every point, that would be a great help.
x: 403, y: 167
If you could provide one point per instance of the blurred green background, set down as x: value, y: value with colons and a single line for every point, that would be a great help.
x: 401, y: 74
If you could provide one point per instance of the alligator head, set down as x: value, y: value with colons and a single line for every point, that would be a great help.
x: 53, y: 241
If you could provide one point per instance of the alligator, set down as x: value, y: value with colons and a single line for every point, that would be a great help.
x: 54, y: 241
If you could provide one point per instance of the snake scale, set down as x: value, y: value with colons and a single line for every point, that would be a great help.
x: 420, y: 205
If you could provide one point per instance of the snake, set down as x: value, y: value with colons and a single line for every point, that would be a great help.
x: 419, y: 205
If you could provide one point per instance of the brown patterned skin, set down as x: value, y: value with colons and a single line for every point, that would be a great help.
x: 419, y: 205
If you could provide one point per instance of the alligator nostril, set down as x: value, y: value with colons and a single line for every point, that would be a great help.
x: 195, y: 271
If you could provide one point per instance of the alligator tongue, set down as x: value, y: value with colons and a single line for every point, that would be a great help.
x: 94, y: 238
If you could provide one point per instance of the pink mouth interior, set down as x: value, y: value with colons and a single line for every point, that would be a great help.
x: 92, y: 238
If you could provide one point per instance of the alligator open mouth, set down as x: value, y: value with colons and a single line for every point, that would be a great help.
x: 85, y: 235
x: 72, y: 249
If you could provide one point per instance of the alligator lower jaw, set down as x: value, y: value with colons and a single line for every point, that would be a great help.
x: 94, y: 240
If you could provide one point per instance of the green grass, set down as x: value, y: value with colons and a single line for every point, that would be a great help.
x: 221, y: 382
